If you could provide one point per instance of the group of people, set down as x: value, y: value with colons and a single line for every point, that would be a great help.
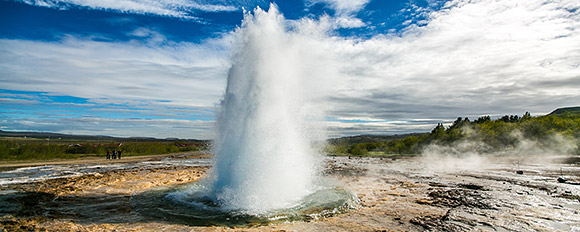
x: 115, y: 155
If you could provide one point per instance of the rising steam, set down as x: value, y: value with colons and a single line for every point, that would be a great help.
x: 471, y: 153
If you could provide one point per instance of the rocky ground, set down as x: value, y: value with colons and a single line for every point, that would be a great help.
x: 396, y: 194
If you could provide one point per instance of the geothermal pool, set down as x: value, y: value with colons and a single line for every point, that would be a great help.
x: 190, y: 205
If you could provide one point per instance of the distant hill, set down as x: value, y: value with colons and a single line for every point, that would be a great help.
x: 45, y: 135
x: 558, y: 111
x: 370, y: 138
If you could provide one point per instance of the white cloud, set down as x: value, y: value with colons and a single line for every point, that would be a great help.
x: 346, y: 11
x: 344, y: 7
x: 151, y: 36
x: 16, y: 101
x: 348, y: 22
x: 472, y: 58
x: 340, y: 128
x: 158, y: 128
x: 184, y: 73
x: 168, y: 8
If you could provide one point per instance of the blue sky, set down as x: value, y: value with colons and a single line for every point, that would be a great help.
x: 159, y: 68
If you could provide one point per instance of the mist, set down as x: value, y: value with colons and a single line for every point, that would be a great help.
x: 473, y: 153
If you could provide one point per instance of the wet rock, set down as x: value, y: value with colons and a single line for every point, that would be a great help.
x: 471, y: 186
x: 31, y: 203
x: 459, y: 197
x: 435, y: 184
x: 344, y: 170
x: 438, y: 223
x: 568, y: 195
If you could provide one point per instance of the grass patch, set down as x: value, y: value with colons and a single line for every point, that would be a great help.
x: 23, y: 149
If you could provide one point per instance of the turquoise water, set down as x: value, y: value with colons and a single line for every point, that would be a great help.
x: 191, y: 205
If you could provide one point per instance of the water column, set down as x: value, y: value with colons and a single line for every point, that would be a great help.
x: 264, y: 156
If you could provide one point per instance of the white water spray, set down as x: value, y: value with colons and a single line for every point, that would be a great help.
x: 264, y: 155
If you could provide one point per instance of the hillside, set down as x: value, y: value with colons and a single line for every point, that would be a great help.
x: 369, y: 138
x: 565, y: 109
x: 495, y: 135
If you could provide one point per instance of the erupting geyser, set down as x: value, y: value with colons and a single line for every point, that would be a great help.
x: 264, y: 155
x: 265, y: 166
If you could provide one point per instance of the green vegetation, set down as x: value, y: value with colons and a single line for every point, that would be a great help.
x: 12, y: 149
x: 498, y: 134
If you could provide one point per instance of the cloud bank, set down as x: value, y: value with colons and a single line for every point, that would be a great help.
x: 128, y: 71
x: 170, y: 88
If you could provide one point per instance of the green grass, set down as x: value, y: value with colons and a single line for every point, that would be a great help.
x: 27, y: 149
x: 373, y: 154
x: 383, y: 154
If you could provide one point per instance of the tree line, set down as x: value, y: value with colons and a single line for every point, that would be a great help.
x: 498, y: 134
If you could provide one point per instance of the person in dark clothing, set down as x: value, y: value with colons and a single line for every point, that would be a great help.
x: 119, y: 154
x: 108, y: 155
x: 115, y: 154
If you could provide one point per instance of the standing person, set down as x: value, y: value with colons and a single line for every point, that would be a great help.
x: 108, y: 155
x: 115, y: 154
x: 119, y: 154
